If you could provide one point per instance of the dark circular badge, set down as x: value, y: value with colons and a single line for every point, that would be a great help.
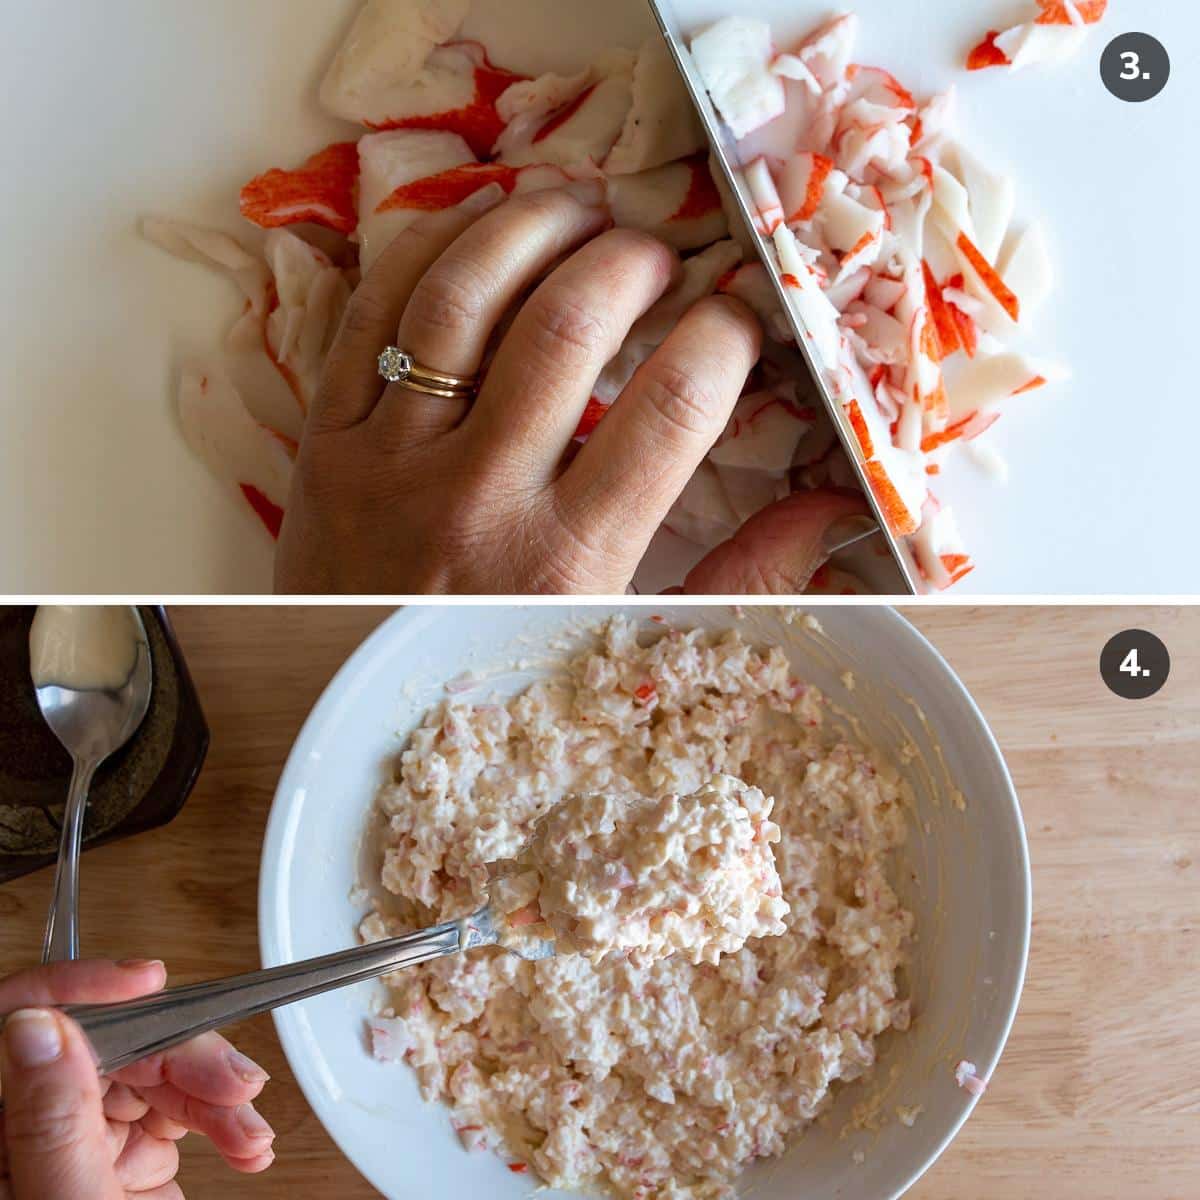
x: 1135, y: 67
x: 1134, y: 664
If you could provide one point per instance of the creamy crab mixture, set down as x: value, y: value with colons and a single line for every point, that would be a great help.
x: 660, y: 1079
x: 690, y: 875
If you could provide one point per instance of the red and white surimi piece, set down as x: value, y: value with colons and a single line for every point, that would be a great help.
x: 678, y: 203
x: 661, y: 125
x: 1056, y: 33
x: 389, y: 162
x: 572, y: 121
x: 256, y: 461
x: 734, y: 56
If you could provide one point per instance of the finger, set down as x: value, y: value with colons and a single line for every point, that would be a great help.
x: 237, y: 1132
x: 54, y: 1125
x: 122, y: 1103
x: 460, y: 301
x: 778, y: 550
x: 542, y: 376
x: 146, y: 1162
x: 622, y: 484
x: 160, y: 1126
x: 168, y: 1191
x: 81, y: 982
x: 118, y: 1135
x: 252, y: 1166
x: 207, y: 1067
x: 351, y: 385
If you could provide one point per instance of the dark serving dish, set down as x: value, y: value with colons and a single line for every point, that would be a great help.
x: 141, y: 787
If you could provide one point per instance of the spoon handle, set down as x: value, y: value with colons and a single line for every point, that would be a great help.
x: 125, y: 1033
x: 62, y: 925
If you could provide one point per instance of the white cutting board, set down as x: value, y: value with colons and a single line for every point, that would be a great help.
x: 131, y: 107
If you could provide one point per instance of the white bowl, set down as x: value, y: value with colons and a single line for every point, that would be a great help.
x: 964, y: 873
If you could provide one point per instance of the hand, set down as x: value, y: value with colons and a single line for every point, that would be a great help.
x: 403, y: 493
x: 68, y: 1134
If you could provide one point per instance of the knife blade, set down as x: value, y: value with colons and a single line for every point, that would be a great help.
x: 903, y: 577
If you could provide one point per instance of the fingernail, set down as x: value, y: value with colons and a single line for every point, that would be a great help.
x: 484, y: 200
x: 252, y: 1123
x: 592, y: 192
x: 846, y: 531
x: 246, y: 1068
x: 33, y: 1037
x: 140, y: 964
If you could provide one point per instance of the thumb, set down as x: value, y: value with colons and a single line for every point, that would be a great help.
x: 53, y: 1115
x: 778, y: 550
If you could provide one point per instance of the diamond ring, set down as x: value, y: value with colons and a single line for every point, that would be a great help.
x: 398, y: 367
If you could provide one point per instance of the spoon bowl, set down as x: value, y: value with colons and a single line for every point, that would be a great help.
x: 93, y: 691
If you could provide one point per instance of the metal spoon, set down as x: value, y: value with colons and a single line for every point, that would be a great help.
x: 127, y: 1032
x: 93, y: 717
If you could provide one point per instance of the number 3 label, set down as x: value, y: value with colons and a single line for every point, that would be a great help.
x: 1135, y: 67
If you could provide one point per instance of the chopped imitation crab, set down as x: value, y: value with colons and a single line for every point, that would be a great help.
x: 802, y: 185
x: 763, y: 433
x: 703, y: 513
x: 236, y: 447
x: 897, y: 254
x: 399, y: 69
x: 391, y: 162
x: 1025, y: 265
x: 988, y: 379
x: 938, y: 548
x: 984, y: 279
x: 385, y: 54
x: 765, y: 196
x: 275, y: 359
x: 661, y: 125
x: 569, y: 121
x: 321, y: 191
x: 214, y: 249
x: 294, y: 303
x: 803, y: 288
x: 1055, y: 34
x: 678, y: 203
x: 734, y: 60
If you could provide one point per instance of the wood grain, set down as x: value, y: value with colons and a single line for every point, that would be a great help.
x: 1098, y: 1094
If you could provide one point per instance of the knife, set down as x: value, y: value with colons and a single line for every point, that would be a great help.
x: 902, y: 574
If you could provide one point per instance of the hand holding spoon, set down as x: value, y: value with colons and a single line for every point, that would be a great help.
x: 91, y: 670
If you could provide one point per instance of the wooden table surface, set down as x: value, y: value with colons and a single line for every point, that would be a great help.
x: 1098, y: 1093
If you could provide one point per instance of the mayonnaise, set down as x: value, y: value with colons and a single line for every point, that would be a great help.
x: 85, y: 647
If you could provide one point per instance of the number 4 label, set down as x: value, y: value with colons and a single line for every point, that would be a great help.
x: 1134, y: 664
x: 1131, y: 666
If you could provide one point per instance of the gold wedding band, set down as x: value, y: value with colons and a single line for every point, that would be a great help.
x: 398, y: 367
x: 429, y: 390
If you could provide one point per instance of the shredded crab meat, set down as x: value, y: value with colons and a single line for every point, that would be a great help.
x: 896, y: 247
x: 966, y: 1077
x: 648, y: 877
x: 632, y: 1074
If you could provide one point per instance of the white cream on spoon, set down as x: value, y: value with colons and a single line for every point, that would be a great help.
x: 87, y: 648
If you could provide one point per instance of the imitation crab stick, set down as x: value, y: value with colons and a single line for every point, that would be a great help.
x: 237, y: 448
x: 1055, y: 33
x: 321, y: 191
